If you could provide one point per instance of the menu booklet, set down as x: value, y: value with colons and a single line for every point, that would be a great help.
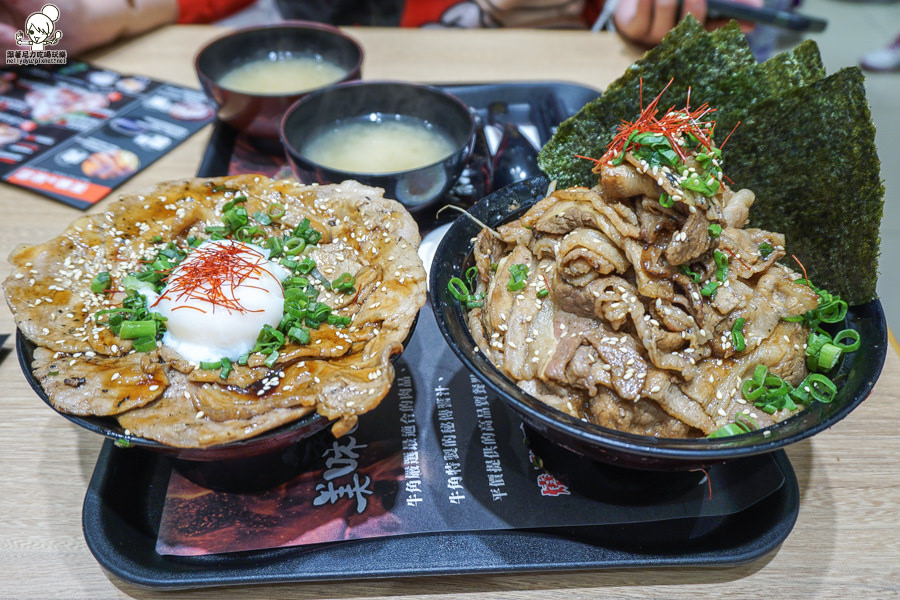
x: 75, y: 132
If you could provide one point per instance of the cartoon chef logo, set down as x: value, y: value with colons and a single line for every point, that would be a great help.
x: 40, y: 29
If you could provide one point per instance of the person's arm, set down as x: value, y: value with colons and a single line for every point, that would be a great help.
x: 88, y: 24
x: 103, y: 21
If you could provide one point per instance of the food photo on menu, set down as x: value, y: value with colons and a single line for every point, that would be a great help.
x: 299, y: 346
x: 76, y: 132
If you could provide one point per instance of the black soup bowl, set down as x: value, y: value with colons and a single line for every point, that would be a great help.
x: 259, y: 113
x: 256, y: 463
x: 856, y: 375
x: 252, y: 464
x: 382, y: 103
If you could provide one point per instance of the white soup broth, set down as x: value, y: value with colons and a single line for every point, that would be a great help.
x: 385, y: 145
x: 287, y: 75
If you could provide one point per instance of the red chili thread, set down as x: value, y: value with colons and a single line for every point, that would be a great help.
x: 201, y: 276
x: 708, y: 480
x: 672, y: 125
x: 802, y: 268
x: 733, y: 255
x: 546, y: 283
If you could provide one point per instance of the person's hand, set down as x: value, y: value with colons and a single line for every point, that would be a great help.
x: 646, y: 22
x: 85, y: 24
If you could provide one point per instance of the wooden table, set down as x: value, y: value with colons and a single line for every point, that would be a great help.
x: 844, y: 544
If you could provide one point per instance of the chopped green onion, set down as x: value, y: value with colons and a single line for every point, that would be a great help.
x: 543, y: 293
x: 726, y: 431
x: 827, y: 357
x: 833, y: 311
x: 737, y: 335
x: 246, y: 233
x: 820, y: 387
x: 707, y: 187
x: 226, y: 368
x: 306, y: 265
x: 721, y: 266
x: 686, y: 269
x: 209, y: 366
x: 294, y: 246
x: 458, y: 288
x: 299, y: 335
x: 275, y: 210
x: 235, y: 218
x: 519, y: 274
x: 471, y: 274
x: 765, y: 249
x: 275, y: 246
x: 268, y: 341
x: 851, y: 334
x: 665, y: 200
x: 238, y: 199
x: 101, y: 282
x: 144, y: 344
x: 763, y: 384
x: 272, y: 358
x: 306, y: 232
x: 770, y: 393
x: 317, y: 313
x: 714, y: 229
x: 742, y: 424
x: 262, y: 218
x: 710, y: 288
x: 137, y: 329
x: 339, y: 320
x: 345, y: 282
x: 321, y: 278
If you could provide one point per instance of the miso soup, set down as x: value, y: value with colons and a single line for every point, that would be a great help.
x: 284, y: 75
x: 379, y: 144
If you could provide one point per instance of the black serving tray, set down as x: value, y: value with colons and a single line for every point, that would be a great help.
x: 124, y: 501
x: 123, y: 504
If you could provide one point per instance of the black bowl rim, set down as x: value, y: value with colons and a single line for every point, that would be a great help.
x: 689, y: 450
x: 295, y: 25
x: 269, y: 441
x: 295, y: 154
x: 304, y: 427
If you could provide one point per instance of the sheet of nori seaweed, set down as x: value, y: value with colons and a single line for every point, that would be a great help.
x: 718, y: 68
x: 733, y: 96
x: 754, y: 96
x: 810, y: 158
x: 688, y: 54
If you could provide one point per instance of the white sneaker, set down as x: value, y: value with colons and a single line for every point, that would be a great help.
x: 885, y: 59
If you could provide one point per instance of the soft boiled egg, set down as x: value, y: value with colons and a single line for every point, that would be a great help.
x: 218, y: 299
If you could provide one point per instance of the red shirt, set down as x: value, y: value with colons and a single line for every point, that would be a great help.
x: 207, y: 11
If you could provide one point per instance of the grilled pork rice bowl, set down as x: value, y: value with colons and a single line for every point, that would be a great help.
x: 207, y: 311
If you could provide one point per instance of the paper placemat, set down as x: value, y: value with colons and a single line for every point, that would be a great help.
x: 439, y: 454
